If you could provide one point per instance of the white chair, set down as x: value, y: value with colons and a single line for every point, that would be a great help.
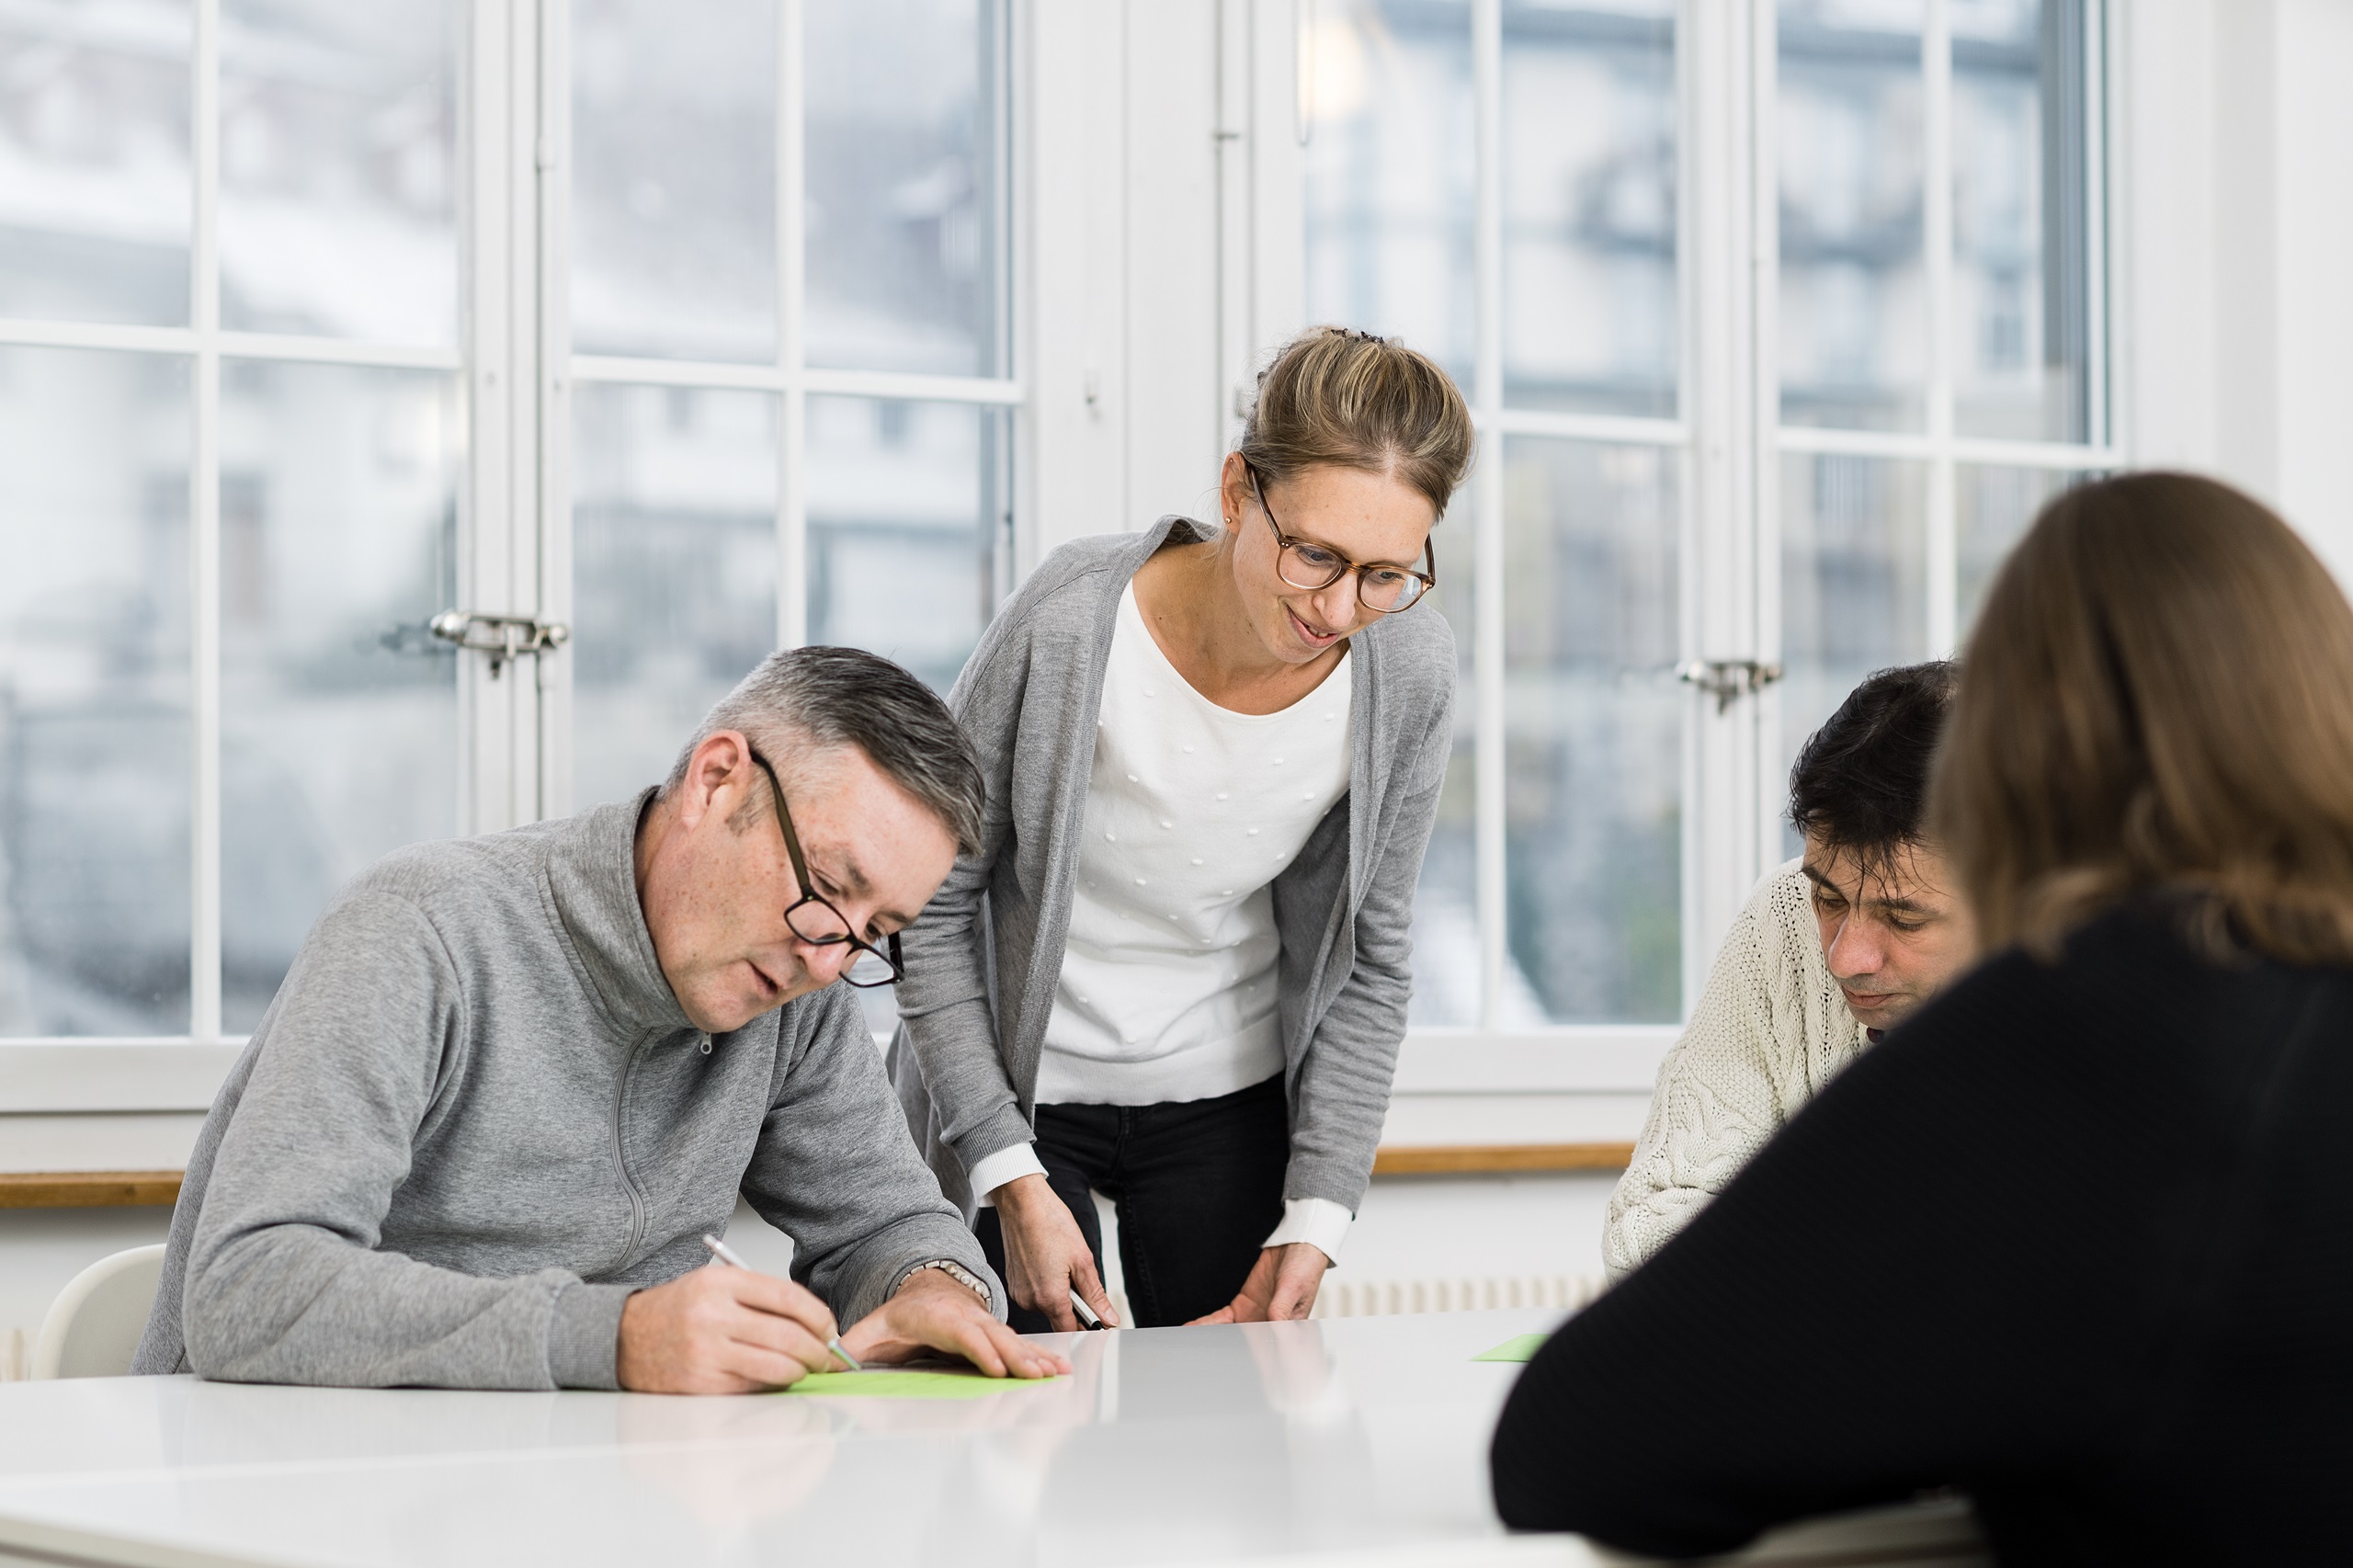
x: 94, y: 1323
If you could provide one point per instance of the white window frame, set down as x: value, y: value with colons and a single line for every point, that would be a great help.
x: 790, y: 377
x: 1939, y: 446
x: 513, y: 210
x: 1730, y: 443
x: 1114, y: 414
x: 165, y: 1072
x: 1484, y: 1058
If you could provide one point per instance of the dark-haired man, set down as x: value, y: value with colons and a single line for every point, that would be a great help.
x: 1833, y: 949
x: 511, y: 1082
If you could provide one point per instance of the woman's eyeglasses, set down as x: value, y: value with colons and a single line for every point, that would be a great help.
x: 1380, y: 585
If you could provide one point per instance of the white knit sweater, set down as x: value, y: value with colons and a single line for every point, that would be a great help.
x: 1771, y: 1029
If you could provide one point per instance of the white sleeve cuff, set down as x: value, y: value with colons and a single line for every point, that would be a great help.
x: 1005, y: 1165
x: 1319, y: 1221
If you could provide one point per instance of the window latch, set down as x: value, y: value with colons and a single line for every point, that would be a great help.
x: 1727, y: 679
x: 503, y: 637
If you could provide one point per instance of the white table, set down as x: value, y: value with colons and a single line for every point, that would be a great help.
x: 1353, y: 1441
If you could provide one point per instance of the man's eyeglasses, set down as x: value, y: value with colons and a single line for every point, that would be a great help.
x: 1380, y: 585
x: 820, y: 924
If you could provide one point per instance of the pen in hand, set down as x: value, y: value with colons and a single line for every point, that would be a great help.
x: 726, y: 1254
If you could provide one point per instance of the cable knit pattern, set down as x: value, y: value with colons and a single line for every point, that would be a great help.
x: 1770, y: 1030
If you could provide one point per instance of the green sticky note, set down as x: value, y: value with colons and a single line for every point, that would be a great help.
x: 893, y: 1384
x: 1521, y: 1348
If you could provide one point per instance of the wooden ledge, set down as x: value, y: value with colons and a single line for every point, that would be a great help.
x: 88, y: 1189
x: 1501, y: 1159
x: 127, y: 1189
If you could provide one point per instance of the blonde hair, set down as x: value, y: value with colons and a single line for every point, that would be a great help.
x: 1338, y: 396
x: 2157, y: 699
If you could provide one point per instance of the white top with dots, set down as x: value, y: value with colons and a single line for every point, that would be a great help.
x: 1167, y: 988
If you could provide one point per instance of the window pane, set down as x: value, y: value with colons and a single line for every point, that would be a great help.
x: 1995, y: 507
x: 1854, y: 582
x: 1447, y: 968
x: 1594, y: 738
x: 907, y: 504
x: 338, y: 713
x: 672, y: 572
x: 1392, y: 164
x: 94, y: 162
x: 2021, y: 272
x: 1854, y: 302
x: 338, y: 191
x: 1588, y: 183
x: 903, y: 186
x: 674, y: 179
x: 94, y: 694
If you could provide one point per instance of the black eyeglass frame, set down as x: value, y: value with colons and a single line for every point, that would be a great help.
x: 1284, y: 542
x: 810, y: 895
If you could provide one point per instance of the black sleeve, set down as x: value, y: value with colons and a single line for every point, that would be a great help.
x: 1899, y: 1286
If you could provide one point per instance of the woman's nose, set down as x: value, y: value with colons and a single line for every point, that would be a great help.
x: 1338, y: 604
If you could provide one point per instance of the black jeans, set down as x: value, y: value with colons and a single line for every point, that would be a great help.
x: 1199, y: 1185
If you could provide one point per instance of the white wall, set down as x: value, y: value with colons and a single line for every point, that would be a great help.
x: 40, y: 1249
x: 1480, y: 1227
x: 1117, y: 308
x: 1157, y: 264
x: 1410, y: 1228
x: 2236, y: 332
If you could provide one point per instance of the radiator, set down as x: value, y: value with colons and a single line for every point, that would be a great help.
x: 1344, y: 1298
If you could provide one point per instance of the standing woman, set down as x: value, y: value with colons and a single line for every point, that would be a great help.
x: 1175, y: 972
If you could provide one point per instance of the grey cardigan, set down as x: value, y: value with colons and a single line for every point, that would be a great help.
x: 983, y: 960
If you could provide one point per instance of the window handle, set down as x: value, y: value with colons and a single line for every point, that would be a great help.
x: 503, y: 637
x: 1727, y: 679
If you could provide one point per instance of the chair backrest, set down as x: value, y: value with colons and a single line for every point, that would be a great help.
x: 94, y: 1323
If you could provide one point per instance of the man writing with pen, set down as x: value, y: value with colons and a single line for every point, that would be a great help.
x: 511, y: 1082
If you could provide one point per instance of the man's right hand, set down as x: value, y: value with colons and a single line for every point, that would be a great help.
x: 1046, y: 1256
x: 718, y: 1330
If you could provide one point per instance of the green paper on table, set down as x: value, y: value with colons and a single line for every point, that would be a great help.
x: 1522, y: 1348
x: 897, y: 1384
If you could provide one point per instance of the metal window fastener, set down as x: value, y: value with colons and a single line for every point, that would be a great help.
x: 1726, y: 679
x: 503, y: 637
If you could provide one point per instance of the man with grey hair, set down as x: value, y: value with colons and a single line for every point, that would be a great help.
x: 511, y: 1082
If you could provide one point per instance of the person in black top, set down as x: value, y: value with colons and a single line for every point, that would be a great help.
x: 2077, y: 1238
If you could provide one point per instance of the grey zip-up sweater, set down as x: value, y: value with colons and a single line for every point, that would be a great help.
x: 475, y: 1120
x: 981, y: 977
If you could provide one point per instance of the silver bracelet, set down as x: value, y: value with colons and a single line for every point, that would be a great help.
x: 958, y: 1273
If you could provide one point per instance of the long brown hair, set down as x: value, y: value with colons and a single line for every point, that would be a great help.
x: 2158, y: 696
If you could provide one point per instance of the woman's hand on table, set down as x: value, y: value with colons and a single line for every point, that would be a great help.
x: 1282, y: 1286
x: 1046, y: 1255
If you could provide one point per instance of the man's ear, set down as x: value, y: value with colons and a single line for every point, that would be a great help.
x: 718, y: 767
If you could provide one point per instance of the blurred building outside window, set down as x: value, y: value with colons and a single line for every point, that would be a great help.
x: 231, y: 399
x: 1500, y: 184
x: 240, y: 409
x: 245, y: 455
